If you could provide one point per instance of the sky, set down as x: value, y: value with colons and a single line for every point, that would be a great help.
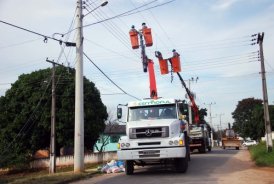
x: 213, y: 39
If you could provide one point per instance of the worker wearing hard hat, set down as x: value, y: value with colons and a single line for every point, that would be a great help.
x: 175, y: 54
x: 144, y: 25
x: 133, y: 28
x: 158, y: 54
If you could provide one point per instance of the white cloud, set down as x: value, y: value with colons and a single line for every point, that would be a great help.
x: 224, y: 4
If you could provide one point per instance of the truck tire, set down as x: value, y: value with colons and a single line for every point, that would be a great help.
x: 202, y: 149
x: 129, y: 167
x: 209, y: 148
x: 181, y: 164
x: 237, y: 148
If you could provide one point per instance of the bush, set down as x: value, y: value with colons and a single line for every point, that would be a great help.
x: 260, y: 155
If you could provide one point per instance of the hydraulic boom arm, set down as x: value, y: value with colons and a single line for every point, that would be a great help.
x: 194, y: 106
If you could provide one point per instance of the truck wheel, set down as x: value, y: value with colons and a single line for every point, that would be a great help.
x: 129, y: 167
x: 209, y: 148
x: 202, y: 149
x: 237, y: 148
x: 181, y: 164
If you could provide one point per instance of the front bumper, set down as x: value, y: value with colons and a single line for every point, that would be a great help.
x: 153, y: 153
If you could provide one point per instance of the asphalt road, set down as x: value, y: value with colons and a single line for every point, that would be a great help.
x: 203, y: 168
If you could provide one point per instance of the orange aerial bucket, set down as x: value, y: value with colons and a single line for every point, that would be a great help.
x: 163, y: 66
x: 176, y: 64
x: 134, y: 39
x: 148, y: 37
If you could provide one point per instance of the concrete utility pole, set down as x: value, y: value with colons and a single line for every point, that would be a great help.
x: 189, y: 102
x: 268, y: 134
x: 189, y: 105
x: 52, y: 162
x: 221, y: 125
x: 79, y: 91
x: 219, y: 134
x: 211, y: 121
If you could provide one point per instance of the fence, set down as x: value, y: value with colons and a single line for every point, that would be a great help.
x: 68, y: 160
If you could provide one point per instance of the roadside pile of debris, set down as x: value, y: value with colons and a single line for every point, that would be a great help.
x: 112, y: 167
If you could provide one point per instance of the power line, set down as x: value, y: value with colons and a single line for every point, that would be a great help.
x: 108, y: 18
x: 117, y: 34
x: 46, y: 37
x: 108, y: 77
x: 19, y: 43
x: 269, y: 64
x: 28, y: 121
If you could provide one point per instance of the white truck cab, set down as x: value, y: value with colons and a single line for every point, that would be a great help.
x: 155, y: 134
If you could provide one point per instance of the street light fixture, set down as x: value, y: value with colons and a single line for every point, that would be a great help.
x: 104, y: 3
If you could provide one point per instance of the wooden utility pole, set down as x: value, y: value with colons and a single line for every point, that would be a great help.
x: 268, y: 134
x: 52, y: 163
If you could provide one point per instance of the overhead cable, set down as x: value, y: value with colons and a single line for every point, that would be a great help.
x: 108, y: 77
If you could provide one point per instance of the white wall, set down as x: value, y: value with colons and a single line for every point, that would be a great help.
x: 263, y: 138
x: 68, y: 160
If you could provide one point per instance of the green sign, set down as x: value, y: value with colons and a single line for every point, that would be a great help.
x: 154, y: 102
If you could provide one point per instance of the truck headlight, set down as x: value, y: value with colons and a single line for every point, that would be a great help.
x: 127, y: 144
x: 176, y: 142
x: 170, y: 142
x: 123, y: 145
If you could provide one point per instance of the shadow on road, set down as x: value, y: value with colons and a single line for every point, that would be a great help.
x: 200, y: 170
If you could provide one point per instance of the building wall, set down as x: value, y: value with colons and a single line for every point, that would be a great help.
x: 264, y: 139
x: 68, y: 160
x: 112, y: 143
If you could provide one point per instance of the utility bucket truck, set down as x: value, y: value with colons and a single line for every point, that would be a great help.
x: 156, y: 130
x: 200, y: 138
x: 154, y: 134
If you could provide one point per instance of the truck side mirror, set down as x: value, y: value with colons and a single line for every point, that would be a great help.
x: 119, y: 113
x: 184, y: 109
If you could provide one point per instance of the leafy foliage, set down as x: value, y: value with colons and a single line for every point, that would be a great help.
x: 202, y: 114
x: 25, y: 115
x: 242, y: 115
x: 249, y: 118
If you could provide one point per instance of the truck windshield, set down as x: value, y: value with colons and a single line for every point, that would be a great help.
x: 152, y: 112
x: 230, y: 133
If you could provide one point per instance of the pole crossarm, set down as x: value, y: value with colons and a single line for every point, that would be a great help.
x: 54, y: 62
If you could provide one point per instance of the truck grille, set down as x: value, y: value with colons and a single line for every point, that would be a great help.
x: 148, y: 132
x: 147, y: 154
x: 149, y: 143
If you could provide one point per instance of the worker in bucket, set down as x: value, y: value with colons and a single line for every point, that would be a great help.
x: 175, y: 54
x: 133, y: 28
x: 144, y: 26
x: 158, y: 54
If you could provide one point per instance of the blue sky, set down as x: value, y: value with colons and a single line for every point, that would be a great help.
x: 213, y: 38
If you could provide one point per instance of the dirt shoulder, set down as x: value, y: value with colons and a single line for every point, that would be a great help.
x: 241, y: 169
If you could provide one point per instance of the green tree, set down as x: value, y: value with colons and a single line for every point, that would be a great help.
x: 202, y: 114
x: 25, y: 115
x: 244, y: 117
x: 256, y: 129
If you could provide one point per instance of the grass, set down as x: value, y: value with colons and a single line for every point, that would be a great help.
x: 261, y: 156
x: 41, y: 176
